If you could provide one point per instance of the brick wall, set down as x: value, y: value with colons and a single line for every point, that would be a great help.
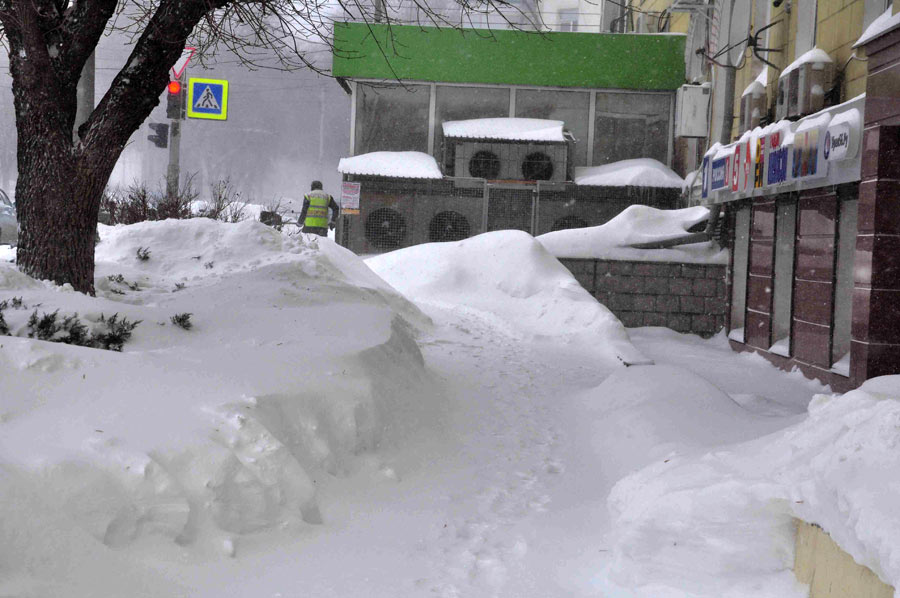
x: 683, y: 297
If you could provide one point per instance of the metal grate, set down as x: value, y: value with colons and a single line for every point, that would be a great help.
x: 385, y: 229
x: 448, y: 226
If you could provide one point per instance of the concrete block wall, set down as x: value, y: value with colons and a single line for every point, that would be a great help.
x: 683, y: 297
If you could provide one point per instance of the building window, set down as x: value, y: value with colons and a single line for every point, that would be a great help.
x: 464, y: 103
x: 806, y: 26
x: 872, y: 9
x: 739, y: 266
x: 379, y: 109
x: 631, y: 125
x: 843, y: 284
x: 785, y: 236
x: 571, y: 107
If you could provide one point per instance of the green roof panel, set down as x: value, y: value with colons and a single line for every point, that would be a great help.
x: 510, y: 57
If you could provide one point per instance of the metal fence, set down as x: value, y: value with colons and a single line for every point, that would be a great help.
x: 401, y: 213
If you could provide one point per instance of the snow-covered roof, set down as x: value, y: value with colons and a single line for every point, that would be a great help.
x: 814, y: 55
x: 887, y: 21
x: 406, y: 165
x: 506, y: 129
x: 639, y: 172
x: 758, y: 86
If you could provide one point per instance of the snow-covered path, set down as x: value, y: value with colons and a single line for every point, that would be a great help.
x: 507, y: 500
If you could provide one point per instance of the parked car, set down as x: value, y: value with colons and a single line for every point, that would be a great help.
x: 9, y: 226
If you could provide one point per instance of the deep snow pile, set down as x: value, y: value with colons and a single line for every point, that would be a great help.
x: 719, y: 523
x: 637, y: 224
x: 509, y: 278
x: 192, y: 440
x: 640, y: 172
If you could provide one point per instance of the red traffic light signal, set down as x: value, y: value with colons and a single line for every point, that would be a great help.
x: 174, y: 87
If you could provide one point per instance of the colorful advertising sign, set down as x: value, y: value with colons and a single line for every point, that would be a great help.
x: 759, y: 171
x: 837, y: 142
x: 720, y: 172
x: 779, y: 156
x: 704, y: 172
x: 808, y: 159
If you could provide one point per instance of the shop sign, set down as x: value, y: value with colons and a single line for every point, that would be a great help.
x: 779, y: 154
x: 736, y: 168
x: 760, y: 167
x: 837, y: 142
x: 808, y: 155
x: 720, y: 173
x: 705, y: 176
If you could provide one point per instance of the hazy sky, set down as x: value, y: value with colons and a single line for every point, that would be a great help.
x: 283, y: 130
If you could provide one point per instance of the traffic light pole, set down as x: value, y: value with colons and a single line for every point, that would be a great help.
x: 174, y: 172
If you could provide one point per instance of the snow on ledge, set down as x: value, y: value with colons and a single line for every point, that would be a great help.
x: 506, y: 129
x: 885, y: 23
x: 814, y: 55
x: 637, y: 224
x: 639, y: 172
x: 406, y: 165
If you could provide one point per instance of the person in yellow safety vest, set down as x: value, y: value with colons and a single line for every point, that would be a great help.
x: 314, y: 214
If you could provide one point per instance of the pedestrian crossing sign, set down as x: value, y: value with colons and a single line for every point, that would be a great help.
x: 207, y: 98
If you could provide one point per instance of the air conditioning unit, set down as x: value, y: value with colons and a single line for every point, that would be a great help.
x: 691, y: 110
x: 509, y: 161
x: 803, y: 85
x: 753, y: 106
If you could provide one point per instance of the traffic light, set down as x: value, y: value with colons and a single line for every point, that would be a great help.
x: 175, y: 100
x: 160, y: 137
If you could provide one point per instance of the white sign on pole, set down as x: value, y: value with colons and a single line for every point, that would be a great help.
x: 186, y: 55
x: 350, y: 196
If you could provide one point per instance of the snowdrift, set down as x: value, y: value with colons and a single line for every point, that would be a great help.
x: 191, y: 440
x: 508, y: 277
x: 639, y: 172
x: 720, y: 523
x: 636, y: 224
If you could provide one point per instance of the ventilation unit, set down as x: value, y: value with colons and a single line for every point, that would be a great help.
x: 691, y: 110
x: 507, y: 160
x: 385, y: 229
x: 803, y: 85
x: 753, y: 106
x: 448, y: 226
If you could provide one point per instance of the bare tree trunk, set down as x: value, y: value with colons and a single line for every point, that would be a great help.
x: 60, y: 180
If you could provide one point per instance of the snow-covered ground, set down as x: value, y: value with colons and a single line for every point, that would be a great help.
x: 459, y: 424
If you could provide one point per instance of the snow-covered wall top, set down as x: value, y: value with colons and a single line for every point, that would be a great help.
x: 814, y: 55
x: 639, y: 172
x: 506, y: 129
x: 886, y: 22
x: 406, y: 165
x: 637, y: 224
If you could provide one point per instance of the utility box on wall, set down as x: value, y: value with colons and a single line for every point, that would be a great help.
x: 691, y: 110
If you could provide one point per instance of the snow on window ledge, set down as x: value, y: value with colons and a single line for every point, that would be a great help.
x: 842, y: 366
x: 736, y: 334
x: 782, y: 347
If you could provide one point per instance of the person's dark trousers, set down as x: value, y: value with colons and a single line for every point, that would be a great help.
x: 316, y: 230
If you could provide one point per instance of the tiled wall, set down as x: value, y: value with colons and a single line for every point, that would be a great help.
x: 759, y: 279
x: 813, y: 284
x: 814, y: 277
x: 875, y: 349
x: 683, y: 297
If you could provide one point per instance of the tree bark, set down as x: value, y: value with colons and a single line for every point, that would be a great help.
x: 61, y: 181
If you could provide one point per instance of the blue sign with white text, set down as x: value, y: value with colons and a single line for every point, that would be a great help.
x: 720, y: 173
